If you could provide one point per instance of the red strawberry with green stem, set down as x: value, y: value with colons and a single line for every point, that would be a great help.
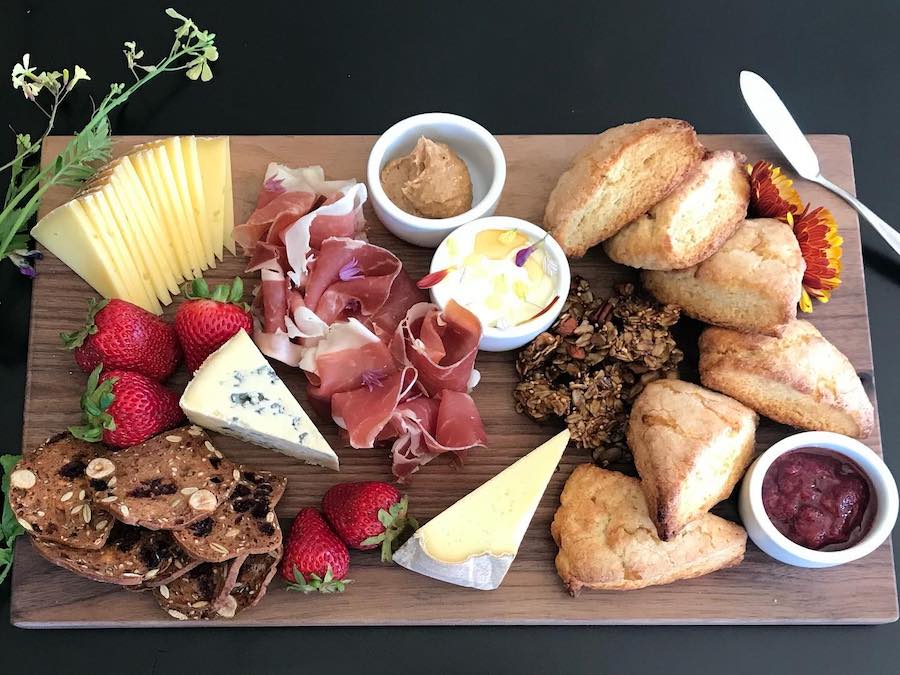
x: 208, y: 319
x: 122, y: 408
x: 368, y: 514
x: 314, y: 559
x: 123, y: 336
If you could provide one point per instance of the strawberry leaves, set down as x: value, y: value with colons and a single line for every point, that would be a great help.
x: 76, y: 338
x: 315, y: 583
x: 95, y: 401
x: 231, y: 293
x: 395, y: 521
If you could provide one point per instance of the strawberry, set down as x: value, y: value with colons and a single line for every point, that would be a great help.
x: 122, y: 408
x: 315, y: 559
x: 206, y: 320
x: 123, y: 336
x: 366, y: 515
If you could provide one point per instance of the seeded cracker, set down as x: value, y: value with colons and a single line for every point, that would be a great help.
x: 593, y: 362
x: 197, y: 594
x: 244, y: 524
x: 130, y: 557
x: 252, y: 581
x: 169, y: 481
x: 50, y: 494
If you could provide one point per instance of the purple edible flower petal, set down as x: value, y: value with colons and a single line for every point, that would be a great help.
x: 274, y: 184
x: 524, y: 253
x: 372, y: 379
x: 28, y: 271
x: 350, y: 271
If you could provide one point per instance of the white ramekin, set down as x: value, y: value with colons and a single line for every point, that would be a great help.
x: 472, y: 142
x: 764, y: 533
x: 495, y: 339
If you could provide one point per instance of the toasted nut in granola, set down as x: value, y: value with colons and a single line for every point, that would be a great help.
x: 594, y: 361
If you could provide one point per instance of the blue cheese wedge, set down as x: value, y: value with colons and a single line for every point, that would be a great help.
x: 474, y: 541
x: 236, y: 392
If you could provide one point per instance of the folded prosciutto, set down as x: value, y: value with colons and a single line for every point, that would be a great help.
x: 388, y: 367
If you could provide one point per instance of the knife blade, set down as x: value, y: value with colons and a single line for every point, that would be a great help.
x: 778, y: 123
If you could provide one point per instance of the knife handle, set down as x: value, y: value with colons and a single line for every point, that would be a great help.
x: 888, y: 233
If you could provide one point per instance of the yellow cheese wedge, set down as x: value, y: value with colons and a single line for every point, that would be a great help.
x: 69, y: 235
x: 213, y: 248
x: 178, y: 167
x: 133, y: 200
x: 143, y: 250
x: 474, y: 541
x: 118, y: 256
x: 157, y: 192
x: 213, y: 156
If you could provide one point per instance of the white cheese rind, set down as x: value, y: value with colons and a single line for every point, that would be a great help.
x: 237, y: 392
x: 474, y: 541
x: 484, y: 572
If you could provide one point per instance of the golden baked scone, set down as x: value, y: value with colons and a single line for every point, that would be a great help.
x: 690, y: 446
x: 692, y: 222
x: 607, y: 541
x: 752, y: 283
x: 617, y: 177
x: 799, y: 379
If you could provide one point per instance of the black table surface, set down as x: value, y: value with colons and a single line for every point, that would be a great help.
x: 543, y: 67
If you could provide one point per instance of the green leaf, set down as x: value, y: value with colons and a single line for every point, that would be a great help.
x: 9, y: 525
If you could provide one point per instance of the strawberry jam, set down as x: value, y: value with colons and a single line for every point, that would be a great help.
x: 816, y: 499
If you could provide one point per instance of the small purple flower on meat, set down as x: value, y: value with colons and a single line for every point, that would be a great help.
x: 372, y: 379
x: 274, y: 184
x: 523, y: 254
x: 350, y: 271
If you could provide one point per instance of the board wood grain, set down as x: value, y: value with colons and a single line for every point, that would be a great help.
x: 758, y: 591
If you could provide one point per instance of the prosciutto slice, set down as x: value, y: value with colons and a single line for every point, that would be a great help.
x: 388, y: 367
x: 441, y: 346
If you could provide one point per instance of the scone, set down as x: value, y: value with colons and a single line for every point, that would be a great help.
x: 616, y: 178
x: 607, y: 541
x: 690, y: 446
x: 753, y: 283
x: 799, y: 379
x: 692, y: 222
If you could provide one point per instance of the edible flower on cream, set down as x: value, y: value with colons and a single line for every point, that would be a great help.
x: 502, y: 276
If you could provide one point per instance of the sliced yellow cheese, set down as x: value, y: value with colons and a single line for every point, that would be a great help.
x: 228, y: 230
x: 182, y: 198
x: 69, y: 235
x: 211, y: 238
x: 119, y: 256
x: 213, y: 156
x: 131, y: 196
x: 156, y: 190
x: 474, y: 541
x: 141, y: 248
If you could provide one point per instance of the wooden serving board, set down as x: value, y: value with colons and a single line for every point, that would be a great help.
x: 758, y: 591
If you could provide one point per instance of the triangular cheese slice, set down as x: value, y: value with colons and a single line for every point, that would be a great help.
x: 236, y: 392
x: 474, y: 541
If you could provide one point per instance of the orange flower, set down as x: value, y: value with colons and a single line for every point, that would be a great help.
x: 820, y: 244
x: 771, y: 192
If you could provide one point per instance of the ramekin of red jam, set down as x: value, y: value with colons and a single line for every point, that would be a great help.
x: 818, y: 499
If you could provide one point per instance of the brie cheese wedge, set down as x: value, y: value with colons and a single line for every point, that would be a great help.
x: 237, y: 392
x: 474, y: 541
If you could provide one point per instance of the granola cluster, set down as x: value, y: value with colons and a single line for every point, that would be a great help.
x: 593, y: 362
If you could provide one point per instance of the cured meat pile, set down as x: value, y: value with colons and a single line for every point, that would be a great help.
x: 386, y: 365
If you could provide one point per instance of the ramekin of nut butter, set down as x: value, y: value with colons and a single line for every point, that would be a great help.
x: 431, y: 173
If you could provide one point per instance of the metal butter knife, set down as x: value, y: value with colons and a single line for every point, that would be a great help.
x: 777, y: 122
